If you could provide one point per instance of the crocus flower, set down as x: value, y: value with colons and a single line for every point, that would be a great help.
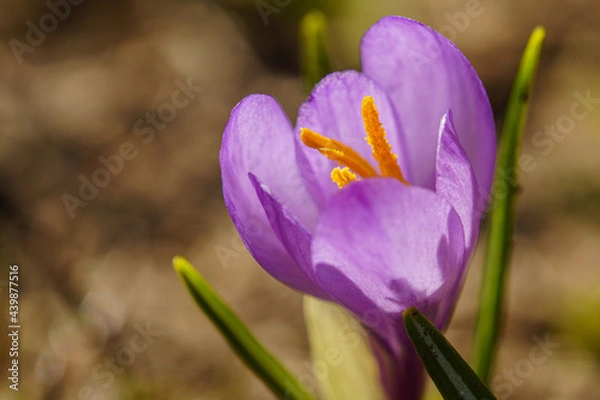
x: 373, y: 200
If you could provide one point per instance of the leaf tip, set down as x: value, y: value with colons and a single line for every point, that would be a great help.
x: 410, y: 312
x: 180, y: 264
x: 313, y: 21
x: 536, y: 40
x: 539, y: 33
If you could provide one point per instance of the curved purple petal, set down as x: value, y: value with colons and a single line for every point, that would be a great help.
x: 381, y: 246
x: 424, y: 74
x: 402, y: 375
x: 295, y: 239
x: 455, y: 180
x: 259, y: 139
x: 333, y: 109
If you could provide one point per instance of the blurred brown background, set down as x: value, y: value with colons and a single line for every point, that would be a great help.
x: 94, y: 276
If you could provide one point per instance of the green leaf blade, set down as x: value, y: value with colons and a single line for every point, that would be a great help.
x: 502, y: 217
x: 282, y: 383
x: 451, y: 374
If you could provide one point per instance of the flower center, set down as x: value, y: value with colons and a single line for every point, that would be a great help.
x: 352, y: 162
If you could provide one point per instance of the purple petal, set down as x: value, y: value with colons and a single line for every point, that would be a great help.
x: 381, y: 246
x: 455, y: 180
x: 424, y: 74
x: 334, y: 110
x: 259, y: 139
x: 295, y: 239
x: 402, y: 375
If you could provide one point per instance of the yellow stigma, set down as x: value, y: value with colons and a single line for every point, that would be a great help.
x: 354, y: 163
x: 342, y: 176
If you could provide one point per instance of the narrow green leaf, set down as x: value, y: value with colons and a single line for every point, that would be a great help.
x: 344, y: 364
x: 449, y: 371
x: 283, y: 384
x: 313, y: 49
x: 502, y: 216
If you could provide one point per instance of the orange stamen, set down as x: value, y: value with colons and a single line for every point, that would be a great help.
x: 382, y: 150
x: 337, y: 151
x: 354, y: 163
